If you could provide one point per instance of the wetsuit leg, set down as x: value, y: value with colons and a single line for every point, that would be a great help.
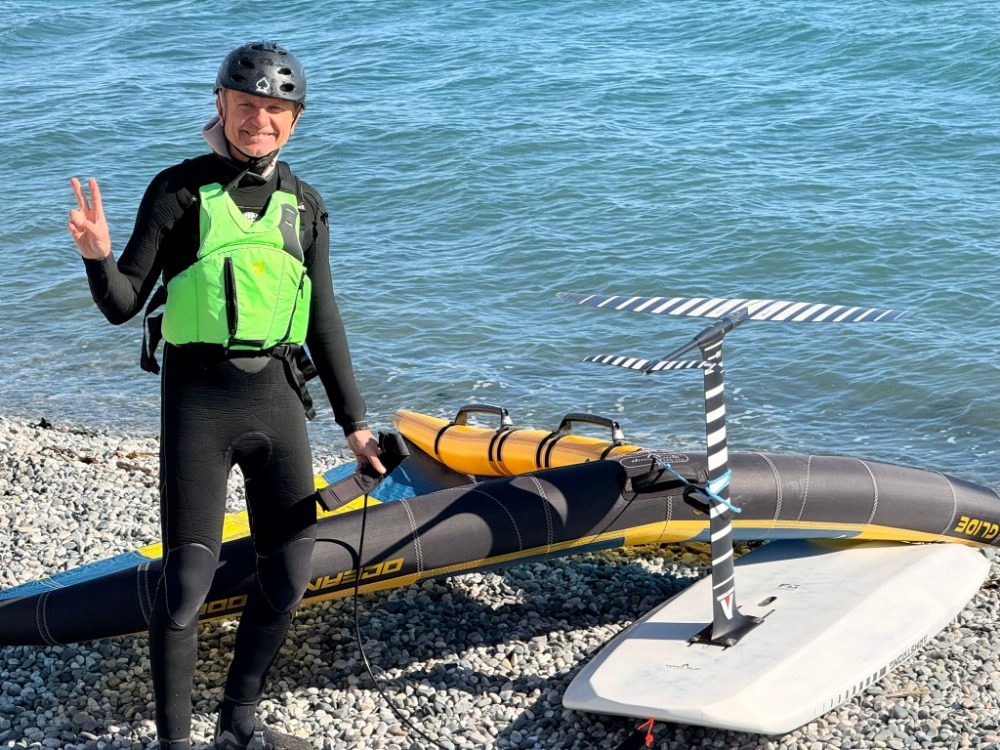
x: 173, y: 635
x: 195, y: 461
x: 281, y: 499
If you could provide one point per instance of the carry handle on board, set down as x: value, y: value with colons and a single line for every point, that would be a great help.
x: 617, y: 436
x: 462, y: 418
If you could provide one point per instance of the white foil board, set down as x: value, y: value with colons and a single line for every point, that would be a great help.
x: 838, y: 617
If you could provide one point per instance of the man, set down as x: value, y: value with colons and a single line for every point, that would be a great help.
x: 242, y: 246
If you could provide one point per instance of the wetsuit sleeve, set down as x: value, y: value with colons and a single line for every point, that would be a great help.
x: 121, y: 288
x: 326, y: 338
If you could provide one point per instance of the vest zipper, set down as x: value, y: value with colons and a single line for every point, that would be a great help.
x: 232, y: 308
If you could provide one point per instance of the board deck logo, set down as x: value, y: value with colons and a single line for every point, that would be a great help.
x: 726, y: 600
x: 976, y: 528
x: 682, y: 667
x: 369, y: 572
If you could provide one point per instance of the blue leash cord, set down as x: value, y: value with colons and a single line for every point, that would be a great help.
x: 710, y: 490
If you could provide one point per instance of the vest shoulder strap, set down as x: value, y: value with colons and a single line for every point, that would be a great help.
x: 291, y: 183
x: 286, y: 180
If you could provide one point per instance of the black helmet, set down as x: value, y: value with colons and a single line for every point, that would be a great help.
x: 263, y: 69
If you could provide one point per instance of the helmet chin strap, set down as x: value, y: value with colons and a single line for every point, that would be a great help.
x: 258, y: 165
x: 214, y: 135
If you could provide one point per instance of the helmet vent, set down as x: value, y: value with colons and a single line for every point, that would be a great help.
x: 287, y: 87
x: 284, y: 71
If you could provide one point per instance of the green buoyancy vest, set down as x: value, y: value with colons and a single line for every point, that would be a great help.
x: 248, y: 289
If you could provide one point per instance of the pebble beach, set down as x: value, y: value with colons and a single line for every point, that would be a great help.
x: 477, y: 661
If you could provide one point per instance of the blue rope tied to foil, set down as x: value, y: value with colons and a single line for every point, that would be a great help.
x: 711, y: 490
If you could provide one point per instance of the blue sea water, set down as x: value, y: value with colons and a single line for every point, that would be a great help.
x: 478, y: 157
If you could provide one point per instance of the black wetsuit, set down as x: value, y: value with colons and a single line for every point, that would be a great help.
x: 219, y: 411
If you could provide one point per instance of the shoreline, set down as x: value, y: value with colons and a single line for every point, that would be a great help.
x: 479, y: 660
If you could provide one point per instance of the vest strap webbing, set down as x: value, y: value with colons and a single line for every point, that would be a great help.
x: 152, y: 332
x: 299, y: 368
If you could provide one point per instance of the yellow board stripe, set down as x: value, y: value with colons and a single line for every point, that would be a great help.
x: 237, y: 525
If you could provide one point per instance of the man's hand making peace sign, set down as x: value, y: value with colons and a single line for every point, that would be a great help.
x: 87, y: 223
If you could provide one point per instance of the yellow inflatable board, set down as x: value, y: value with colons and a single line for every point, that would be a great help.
x: 507, y: 450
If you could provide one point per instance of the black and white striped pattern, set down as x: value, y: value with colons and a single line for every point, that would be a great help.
x: 728, y: 623
x: 760, y: 309
x: 649, y: 365
x: 726, y: 614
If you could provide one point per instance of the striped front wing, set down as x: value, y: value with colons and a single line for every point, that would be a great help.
x: 649, y: 365
x: 760, y: 309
